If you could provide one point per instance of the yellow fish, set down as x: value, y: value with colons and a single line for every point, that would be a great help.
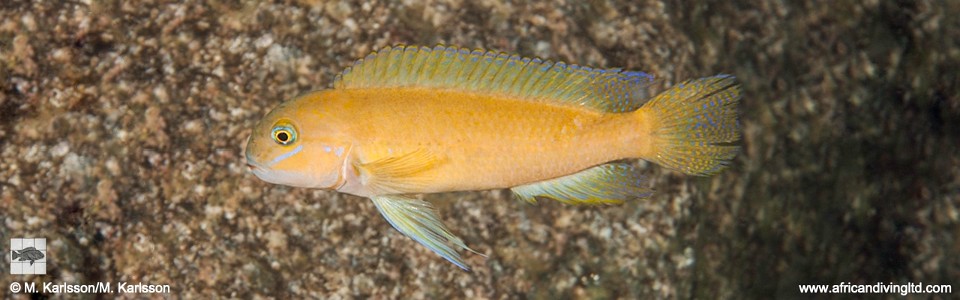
x: 410, y: 120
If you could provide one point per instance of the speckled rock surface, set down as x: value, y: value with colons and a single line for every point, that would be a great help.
x: 122, y: 128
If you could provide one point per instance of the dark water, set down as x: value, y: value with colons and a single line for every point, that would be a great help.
x: 122, y: 130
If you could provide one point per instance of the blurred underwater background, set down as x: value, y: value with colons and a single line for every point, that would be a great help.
x: 122, y: 126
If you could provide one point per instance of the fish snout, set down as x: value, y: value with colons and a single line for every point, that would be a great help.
x: 248, y: 155
x: 252, y: 164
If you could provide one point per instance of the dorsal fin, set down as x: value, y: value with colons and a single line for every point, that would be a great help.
x: 609, y: 90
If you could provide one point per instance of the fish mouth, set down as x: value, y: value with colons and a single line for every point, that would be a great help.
x: 253, y: 165
x: 257, y: 170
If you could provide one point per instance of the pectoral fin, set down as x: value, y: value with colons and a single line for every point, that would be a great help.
x: 611, y: 183
x: 417, y: 220
x: 399, y: 174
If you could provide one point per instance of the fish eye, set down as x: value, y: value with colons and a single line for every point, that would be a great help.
x: 284, y: 134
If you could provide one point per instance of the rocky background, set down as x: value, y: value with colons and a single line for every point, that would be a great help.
x: 122, y: 125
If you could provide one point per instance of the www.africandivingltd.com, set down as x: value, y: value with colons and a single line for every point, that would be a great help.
x: 877, y: 288
x: 29, y: 287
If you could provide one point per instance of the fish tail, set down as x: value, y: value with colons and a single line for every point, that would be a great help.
x: 693, y: 126
x: 15, y: 254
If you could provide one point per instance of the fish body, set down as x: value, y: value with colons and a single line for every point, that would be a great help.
x: 472, y: 141
x: 411, y: 120
x: 29, y: 253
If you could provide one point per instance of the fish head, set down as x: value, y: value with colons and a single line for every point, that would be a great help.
x: 296, y: 147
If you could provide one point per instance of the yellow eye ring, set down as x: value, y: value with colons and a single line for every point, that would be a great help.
x: 284, y: 134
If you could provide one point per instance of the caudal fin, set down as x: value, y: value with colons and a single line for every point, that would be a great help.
x: 695, y: 126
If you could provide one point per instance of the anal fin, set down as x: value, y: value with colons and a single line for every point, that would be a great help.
x: 610, y: 183
x: 417, y: 220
